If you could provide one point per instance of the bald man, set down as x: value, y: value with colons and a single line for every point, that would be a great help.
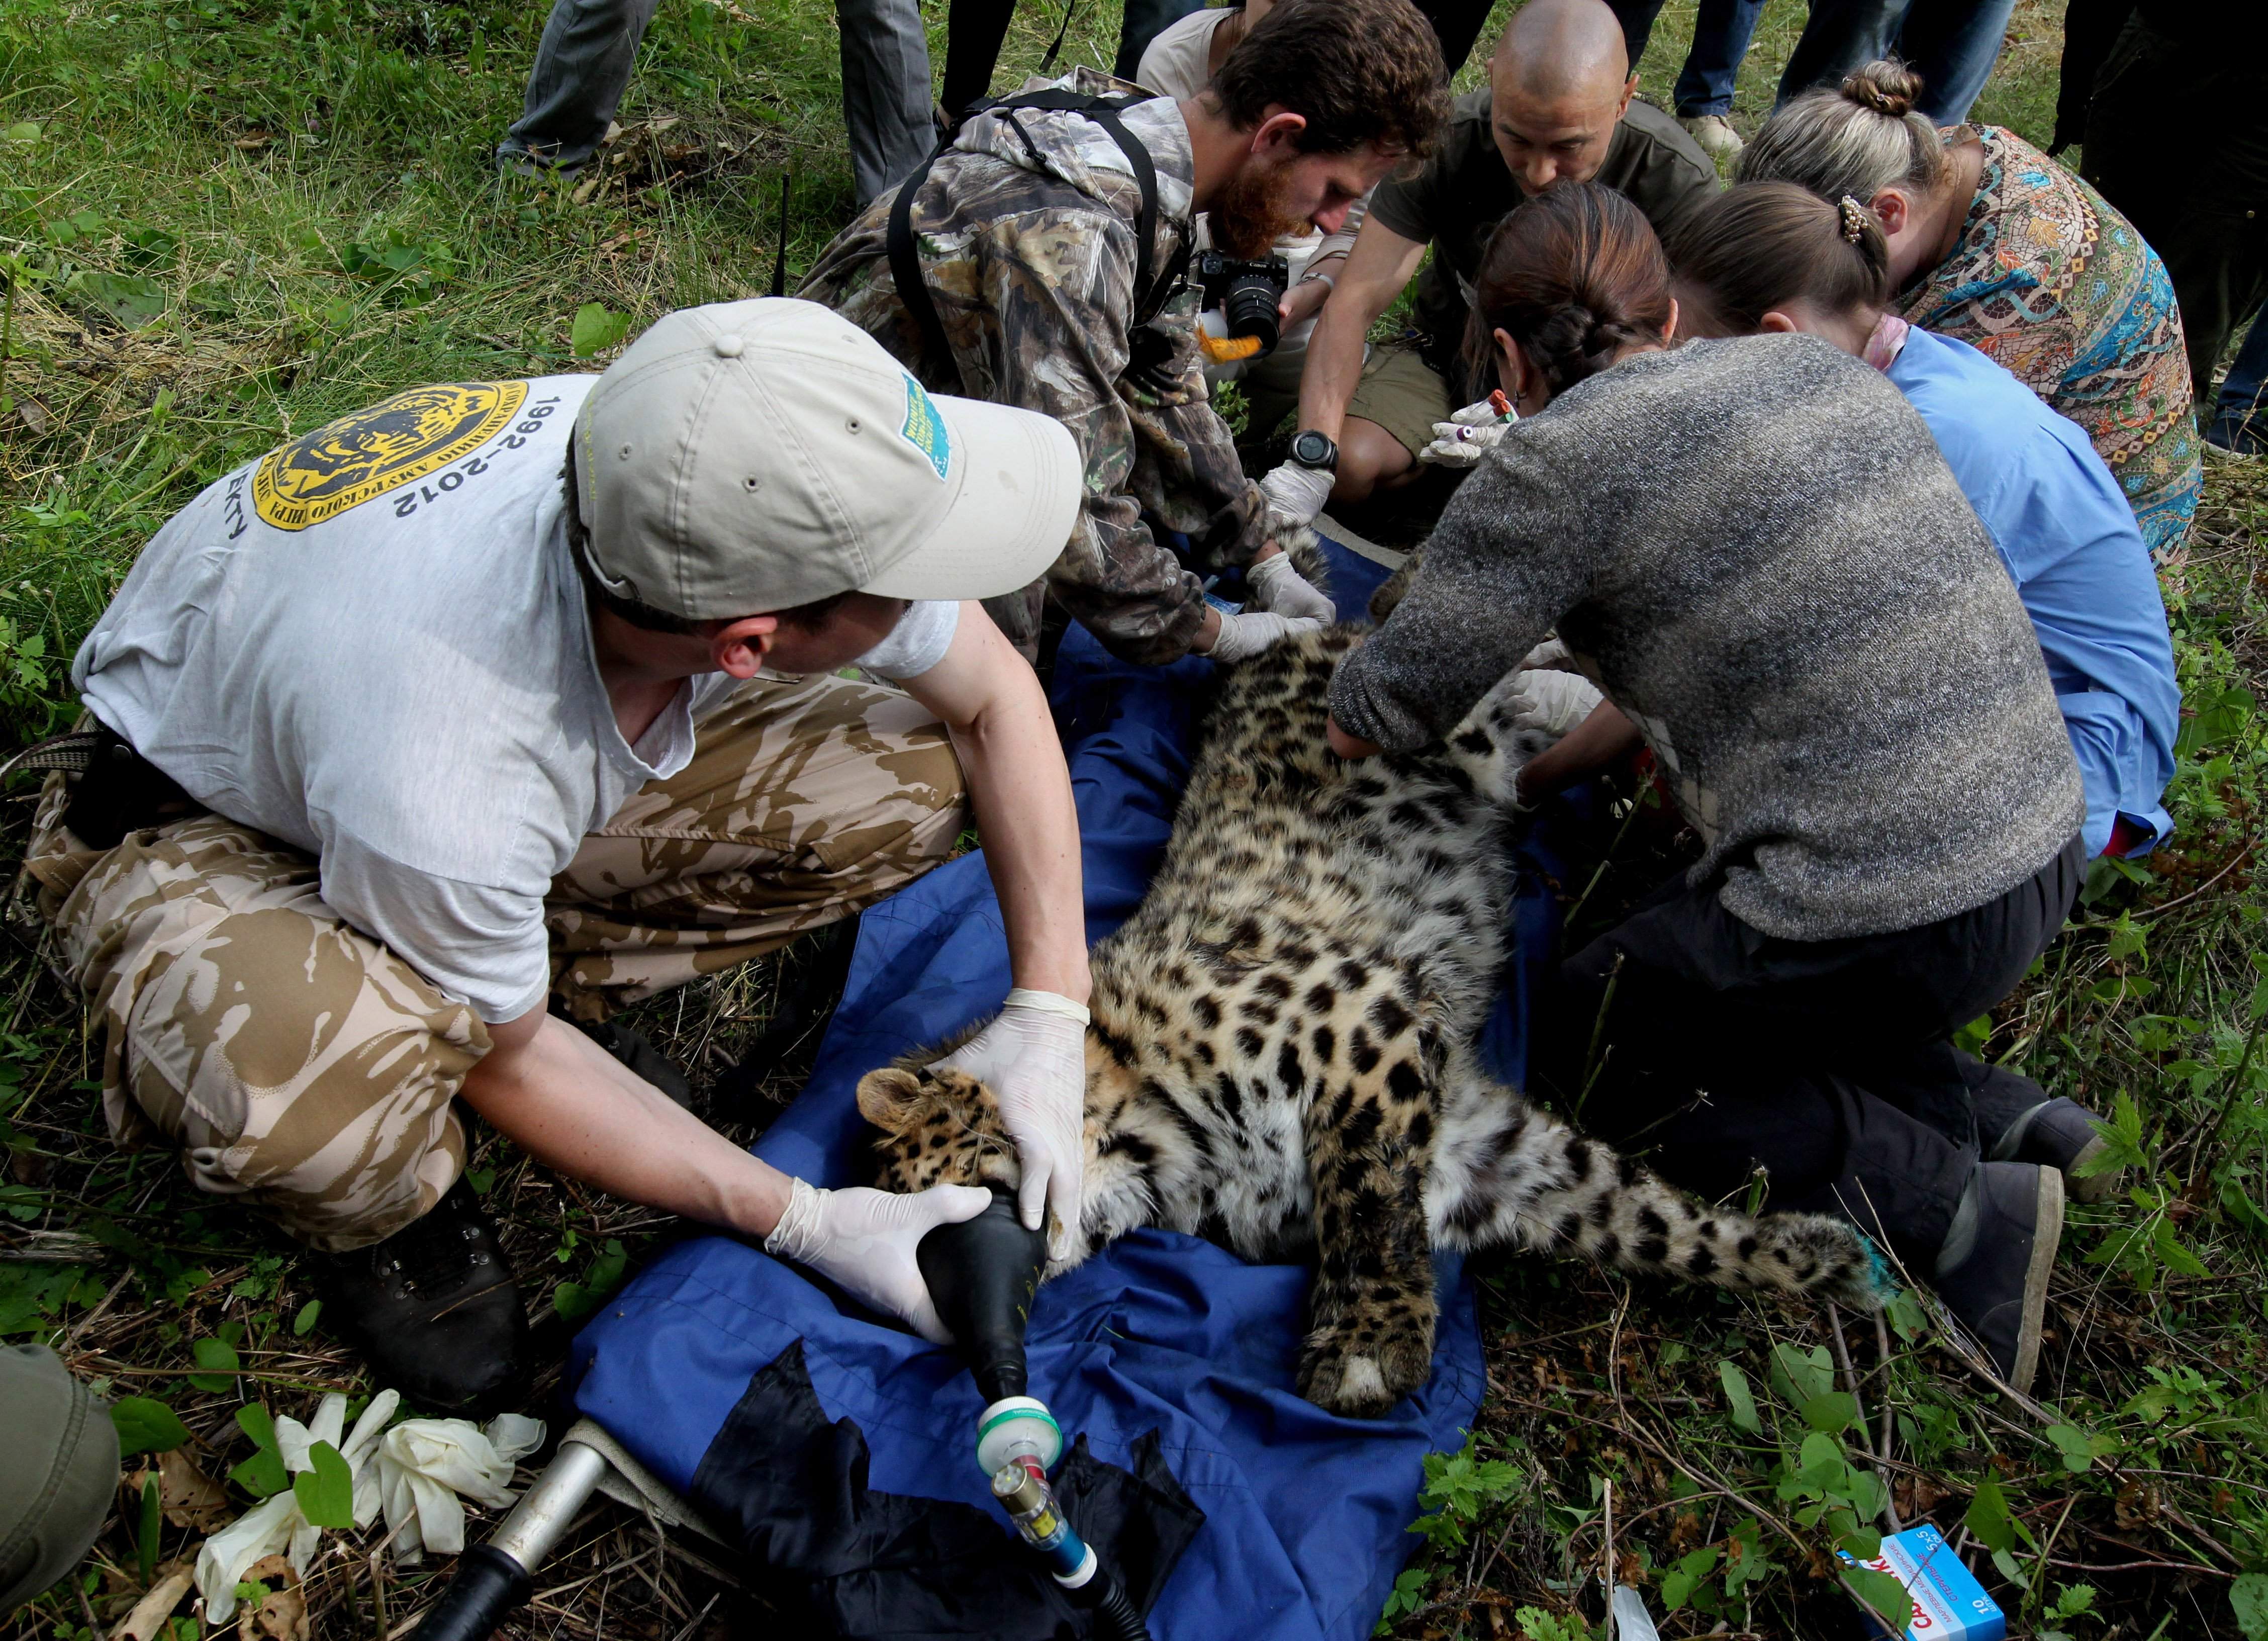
x: 1558, y: 108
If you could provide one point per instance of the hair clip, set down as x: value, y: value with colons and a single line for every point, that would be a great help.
x: 1854, y: 219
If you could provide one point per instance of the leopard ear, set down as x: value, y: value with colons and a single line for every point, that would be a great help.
x: 887, y: 1097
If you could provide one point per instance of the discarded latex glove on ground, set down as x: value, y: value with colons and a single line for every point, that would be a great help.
x: 413, y: 1472
x: 424, y: 1464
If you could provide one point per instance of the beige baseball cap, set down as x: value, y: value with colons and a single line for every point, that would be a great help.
x: 755, y: 455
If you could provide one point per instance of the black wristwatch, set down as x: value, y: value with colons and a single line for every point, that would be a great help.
x: 1310, y: 449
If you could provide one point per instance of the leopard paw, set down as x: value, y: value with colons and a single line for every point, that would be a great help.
x: 1364, y: 1361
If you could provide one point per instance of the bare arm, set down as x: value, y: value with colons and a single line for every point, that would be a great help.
x: 992, y: 706
x: 1376, y: 271
x: 1589, y: 747
x: 573, y: 1106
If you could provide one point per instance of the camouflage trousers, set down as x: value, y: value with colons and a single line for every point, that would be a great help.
x: 300, y: 1064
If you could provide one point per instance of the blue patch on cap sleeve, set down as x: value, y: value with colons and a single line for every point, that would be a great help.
x: 924, y: 429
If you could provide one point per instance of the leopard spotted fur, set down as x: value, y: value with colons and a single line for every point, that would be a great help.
x: 1280, y: 1058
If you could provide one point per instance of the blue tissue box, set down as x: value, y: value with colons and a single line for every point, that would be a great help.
x: 1948, y: 1603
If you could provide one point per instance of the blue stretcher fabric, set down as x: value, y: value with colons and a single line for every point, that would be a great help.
x: 1304, y: 1513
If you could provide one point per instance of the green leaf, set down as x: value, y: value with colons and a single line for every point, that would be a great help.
x: 1820, y: 1463
x: 1739, y: 1397
x: 1882, y: 1595
x: 24, y: 131
x: 145, y: 1425
x: 596, y: 329
x: 2170, y: 1252
x: 572, y: 1302
x: 1863, y: 1543
x: 128, y: 300
x: 304, y: 1324
x: 145, y: 1540
x: 220, y: 1357
x: 2078, y: 1451
x: 1988, y: 1517
x: 326, y: 1492
x: 2122, y: 1140
x: 1799, y: 1375
x: 2249, y: 1598
x: 262, y: 1476
x: 2126, y: 939
x: 1833, y: 1413
x: 1679, y: 1583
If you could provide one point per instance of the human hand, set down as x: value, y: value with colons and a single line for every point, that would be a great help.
x: 1553, y: 702
x: 864, y: 1241
x: 1302, y: 302
x: 1241, y: 637
x: 1033, y: 1058
x: 1276, y: 586
x: 1468, y: 435
x: 1295, y: 494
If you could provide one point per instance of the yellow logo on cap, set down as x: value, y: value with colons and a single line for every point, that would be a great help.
x: 924, y: 429
x: 397, y: 441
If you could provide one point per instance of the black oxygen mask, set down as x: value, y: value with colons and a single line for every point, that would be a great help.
x: 982, y: 1275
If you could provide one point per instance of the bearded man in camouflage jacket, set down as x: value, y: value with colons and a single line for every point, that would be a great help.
x: 1028, y: 234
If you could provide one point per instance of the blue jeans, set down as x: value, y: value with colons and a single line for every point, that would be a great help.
x: 2240, y: 417
x: 583, y: 66
x: 1952, y: 44
x: 1721, y: 33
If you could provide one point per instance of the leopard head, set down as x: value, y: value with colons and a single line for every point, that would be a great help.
x: 938, y: 1127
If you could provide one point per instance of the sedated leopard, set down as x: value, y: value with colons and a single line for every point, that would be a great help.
x: 1281, y: 1061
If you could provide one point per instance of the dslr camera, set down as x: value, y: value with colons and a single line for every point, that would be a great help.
x: 1246, y: 294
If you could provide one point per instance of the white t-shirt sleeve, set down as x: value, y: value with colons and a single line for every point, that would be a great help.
x: 918, y: 643
x: 1175, y: 63
x: 487, y: 947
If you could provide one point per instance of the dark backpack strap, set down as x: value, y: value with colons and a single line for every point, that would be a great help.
x: 906, y: 268
x: 1150, y: 290
x: 1150, y: 293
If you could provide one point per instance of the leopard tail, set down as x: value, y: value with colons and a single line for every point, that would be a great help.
x: 1504, y: 1171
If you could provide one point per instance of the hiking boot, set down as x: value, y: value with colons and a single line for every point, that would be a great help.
x: 1713, y: 134
x: 1993, y: 1272
x: 2059, y: 1133
x: 434, y: 1311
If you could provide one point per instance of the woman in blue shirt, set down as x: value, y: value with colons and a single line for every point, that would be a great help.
x: 1770, y: 257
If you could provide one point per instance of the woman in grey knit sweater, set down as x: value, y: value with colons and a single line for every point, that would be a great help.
x: 1754, y: 548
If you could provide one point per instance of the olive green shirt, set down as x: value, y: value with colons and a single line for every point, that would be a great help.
x: 1455, y: 202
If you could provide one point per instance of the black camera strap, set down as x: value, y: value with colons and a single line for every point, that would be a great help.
x: 1150, y: 293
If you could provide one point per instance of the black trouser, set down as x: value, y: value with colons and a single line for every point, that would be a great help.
x: 2205, y: 211
x: 1828, y: 1063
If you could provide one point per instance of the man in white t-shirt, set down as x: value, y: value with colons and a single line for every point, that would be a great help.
x: 497, y: 687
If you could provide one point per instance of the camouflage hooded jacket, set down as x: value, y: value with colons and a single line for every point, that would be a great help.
x: 1027, y: 230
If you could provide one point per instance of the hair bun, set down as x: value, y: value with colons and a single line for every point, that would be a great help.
x: 1886, y: 86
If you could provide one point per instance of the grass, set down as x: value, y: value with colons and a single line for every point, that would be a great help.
x: 223, y: 223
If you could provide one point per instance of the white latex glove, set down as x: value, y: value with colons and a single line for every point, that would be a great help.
x: 1466, y: 436
x: 1244, y: 636
x: 1275, y: 585
x: 864, y: 1240
x: 279, y: 1527
x: 1553, y: 702
x: 1551, y: 654
x: 425, y: 1465
x: 1295, y: 494
x: 1033, y: 1058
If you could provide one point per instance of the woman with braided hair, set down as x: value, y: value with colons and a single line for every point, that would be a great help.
x: 1993, y: 243
x: 1754, y: 548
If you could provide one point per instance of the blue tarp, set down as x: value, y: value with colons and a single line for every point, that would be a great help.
x: 1304, y: 1513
